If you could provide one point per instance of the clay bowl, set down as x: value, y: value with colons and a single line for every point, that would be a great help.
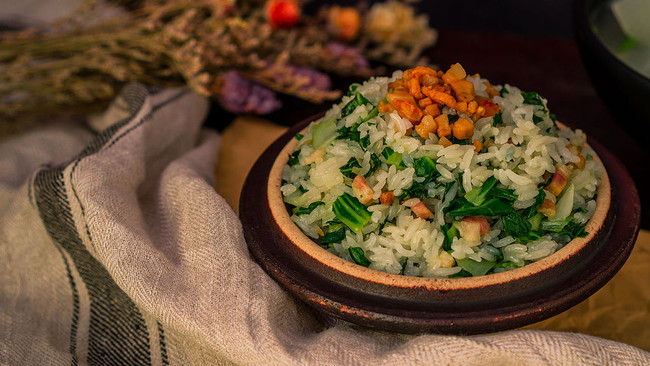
x: 341, y: 290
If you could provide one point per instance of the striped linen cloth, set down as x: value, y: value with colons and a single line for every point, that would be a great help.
x: 115, y: 249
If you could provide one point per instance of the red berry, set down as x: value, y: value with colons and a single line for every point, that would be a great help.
x: 282, y: 13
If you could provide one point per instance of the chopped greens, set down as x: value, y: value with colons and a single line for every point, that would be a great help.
x: 392, y: 157
x: 536, y: 221
x: 502, y: 194
x: 353, y: 104
x: 299, y: 136
x: 333, y: 236
x: 539, y: 200
x: 425, y: 167
x: 307, y: 210
x: 461, y: 274
x: 515, y: 225
x: 293, y: 158
x: 351, y: 212
x: 497, y: 119
x: 574, y: 230
x: 474, y: 267
x: 372, y: 114
x: 530, y: 236
x: 491, y: 207
x: 450, y: 232
x: 322, y: 132
x: 478, y: 194
x: 532, y: 98
x: 347, y: 168
x: 507, y: 265
x: 352, y: 89
x: 375, y: 164
x: 458, y: 141
x: 359, y: 256
x: 352, y: 133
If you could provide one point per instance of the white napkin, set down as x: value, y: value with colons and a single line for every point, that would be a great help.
x: 116, y: 250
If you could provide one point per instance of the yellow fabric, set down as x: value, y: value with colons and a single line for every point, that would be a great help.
x: 620, y: 311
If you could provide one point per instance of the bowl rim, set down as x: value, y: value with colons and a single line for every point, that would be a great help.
x: 303, y: 243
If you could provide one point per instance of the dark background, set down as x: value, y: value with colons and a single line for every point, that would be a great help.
x: 530, y: 17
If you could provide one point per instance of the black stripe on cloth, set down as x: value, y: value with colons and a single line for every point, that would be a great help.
x: 117, y: 331
x: 163, y: 345
x: 74, y: 326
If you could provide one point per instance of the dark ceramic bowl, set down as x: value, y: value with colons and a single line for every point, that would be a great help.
x: 623, y: 89
x: 339, y: 289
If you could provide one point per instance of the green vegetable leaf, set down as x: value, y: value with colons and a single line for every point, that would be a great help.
x: 491, y: 207
x: 359, y: 256
x: 392, y: 157
x: 537, y: 119
x: 497, y: 119
x: 307, y: 210
x: 375, y: 164
x: 474, y: 267
x: 353, y: 104
x: 536, y: 221
x: 365, y: 142
x: 530, y: 236
x: 373, y: 113
x: 506, y: 264
x: 416, y: 190
x: 425, y: 167
x: 555, y: 225
x: 347, y: 168
x: 450, y: 232
x: 351, y: 212
x: 503, y: 194
x: 478, y: 194
x: 532, y: 98
x: 574, y: 230
x: 403, y: 263
x: 454, y: 140
x: 352, y: 133
x: 293, y: 158
x: 567, y: 226
x: 299, y: 136
x: 352, y: 89
x: 503, y: 91
x: 515, y: 225
x: 539, y: 200
x: 333, y: 236
x: 323, y: 132
x: 461, y: 274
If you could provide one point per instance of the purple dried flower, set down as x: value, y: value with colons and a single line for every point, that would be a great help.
x: 339, y: 50
x: 240, y: 95
x: 303, y: 78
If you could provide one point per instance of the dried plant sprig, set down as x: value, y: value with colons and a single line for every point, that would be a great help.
x: 184, y: 42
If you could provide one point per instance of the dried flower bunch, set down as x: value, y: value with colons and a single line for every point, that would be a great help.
x: 240, y: 52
